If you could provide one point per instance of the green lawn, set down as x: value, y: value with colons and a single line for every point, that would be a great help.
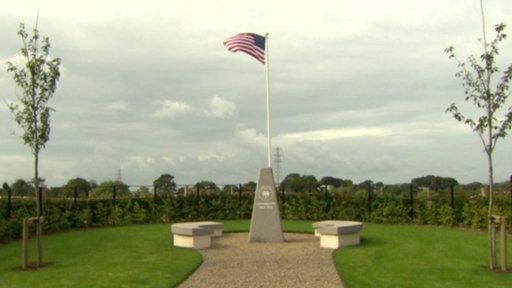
x: 418, y: 256
x: 142, y: 256
x: 130, y: 256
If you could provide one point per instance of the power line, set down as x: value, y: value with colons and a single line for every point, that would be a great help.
x: 119, y: 176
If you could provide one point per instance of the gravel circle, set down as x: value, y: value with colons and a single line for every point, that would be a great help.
x: 233, y: 262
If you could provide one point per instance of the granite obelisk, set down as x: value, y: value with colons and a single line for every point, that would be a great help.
x: 266, y: 220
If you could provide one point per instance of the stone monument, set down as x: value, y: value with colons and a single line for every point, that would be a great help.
x: 266, y: 221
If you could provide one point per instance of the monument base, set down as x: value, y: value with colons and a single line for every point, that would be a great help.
x: 266, y: 223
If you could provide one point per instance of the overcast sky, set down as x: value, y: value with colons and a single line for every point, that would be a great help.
x: 358, y: 90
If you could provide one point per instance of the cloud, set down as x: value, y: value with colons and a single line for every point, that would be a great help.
x: 119, y: 105
x: 221, y: 108
x: 169, y: 160
x: 251, y: 137
x: 168, y: 108
x: 355, y: 97
x: 141, y: 162
x: 214, y: 157
x: 332, y: 134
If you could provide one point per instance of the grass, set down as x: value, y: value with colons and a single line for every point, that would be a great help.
x: 129, y: 256
x: 418, y: 256
x: 142, y: 256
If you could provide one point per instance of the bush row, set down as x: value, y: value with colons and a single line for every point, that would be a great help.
x: 61, y: 214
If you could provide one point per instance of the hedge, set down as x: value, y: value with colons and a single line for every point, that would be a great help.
x: 63, y: 214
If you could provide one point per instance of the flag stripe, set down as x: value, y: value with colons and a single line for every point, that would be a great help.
x: 248, y: 47
x: 249, y: 43
x: 246, y: 44
x: 251, y: 52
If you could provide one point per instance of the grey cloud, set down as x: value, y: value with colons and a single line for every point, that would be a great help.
x: 345, y: 69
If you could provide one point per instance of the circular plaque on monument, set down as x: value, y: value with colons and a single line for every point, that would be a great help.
x: 265, y: 194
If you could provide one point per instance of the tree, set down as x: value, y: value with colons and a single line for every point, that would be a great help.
x: 5, y: 189
x: 208, y: 186
x: 294, y: 182
x: 364, y: 185
x: 93, y: 183
x: 473, y: 187
x: 165, y: 184
x: 37, y: 80
x: 308, y: 183
x: 478, y: 76
x: 229, y: 188
x: 142, y: 192
x: 288, y: 183
x: 335, y: 182
x: 249, y: 186
x: 81, y: 186
x: 21, y: 187
x: 379, y: 185
x: 106, y: 189
x: 435, y: 183
x: 331, y: 181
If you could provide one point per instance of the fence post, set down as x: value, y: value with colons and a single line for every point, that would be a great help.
x: 369, y: 198
x: 240, y: 201
x: 40, y: 201
x: 411, y: 195
x: 39, y: 228
x: 452, y: 197
x: 9, y: 204
x: 39, y: 233
x: 493, y: 242
x: 75, y: 195
x: 24, y: 245
x: 503, y: 243
x: 114, y: 195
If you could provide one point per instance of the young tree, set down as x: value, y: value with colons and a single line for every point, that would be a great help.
x: 478, y: 76
x: 37, y: 79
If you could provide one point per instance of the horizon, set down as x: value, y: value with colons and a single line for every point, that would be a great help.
x: 220, y: 184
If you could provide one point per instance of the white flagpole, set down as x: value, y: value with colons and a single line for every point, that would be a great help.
x: 268, y: 103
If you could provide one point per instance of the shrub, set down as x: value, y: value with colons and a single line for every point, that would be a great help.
x: 62, y: 214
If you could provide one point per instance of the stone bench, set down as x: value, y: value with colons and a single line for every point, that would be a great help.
x: 195, y: 235
x: 335, y: 234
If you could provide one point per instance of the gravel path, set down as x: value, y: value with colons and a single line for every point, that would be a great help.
x: 233, y: 262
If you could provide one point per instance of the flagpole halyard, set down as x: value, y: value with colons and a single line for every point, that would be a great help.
x: 269, y: 149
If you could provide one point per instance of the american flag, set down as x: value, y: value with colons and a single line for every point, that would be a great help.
x: 250, y: 43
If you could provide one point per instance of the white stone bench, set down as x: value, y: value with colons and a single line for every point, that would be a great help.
x: 335, y: 234
x: 195, y: 235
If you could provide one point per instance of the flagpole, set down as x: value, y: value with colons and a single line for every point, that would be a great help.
x: 269, y: 149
